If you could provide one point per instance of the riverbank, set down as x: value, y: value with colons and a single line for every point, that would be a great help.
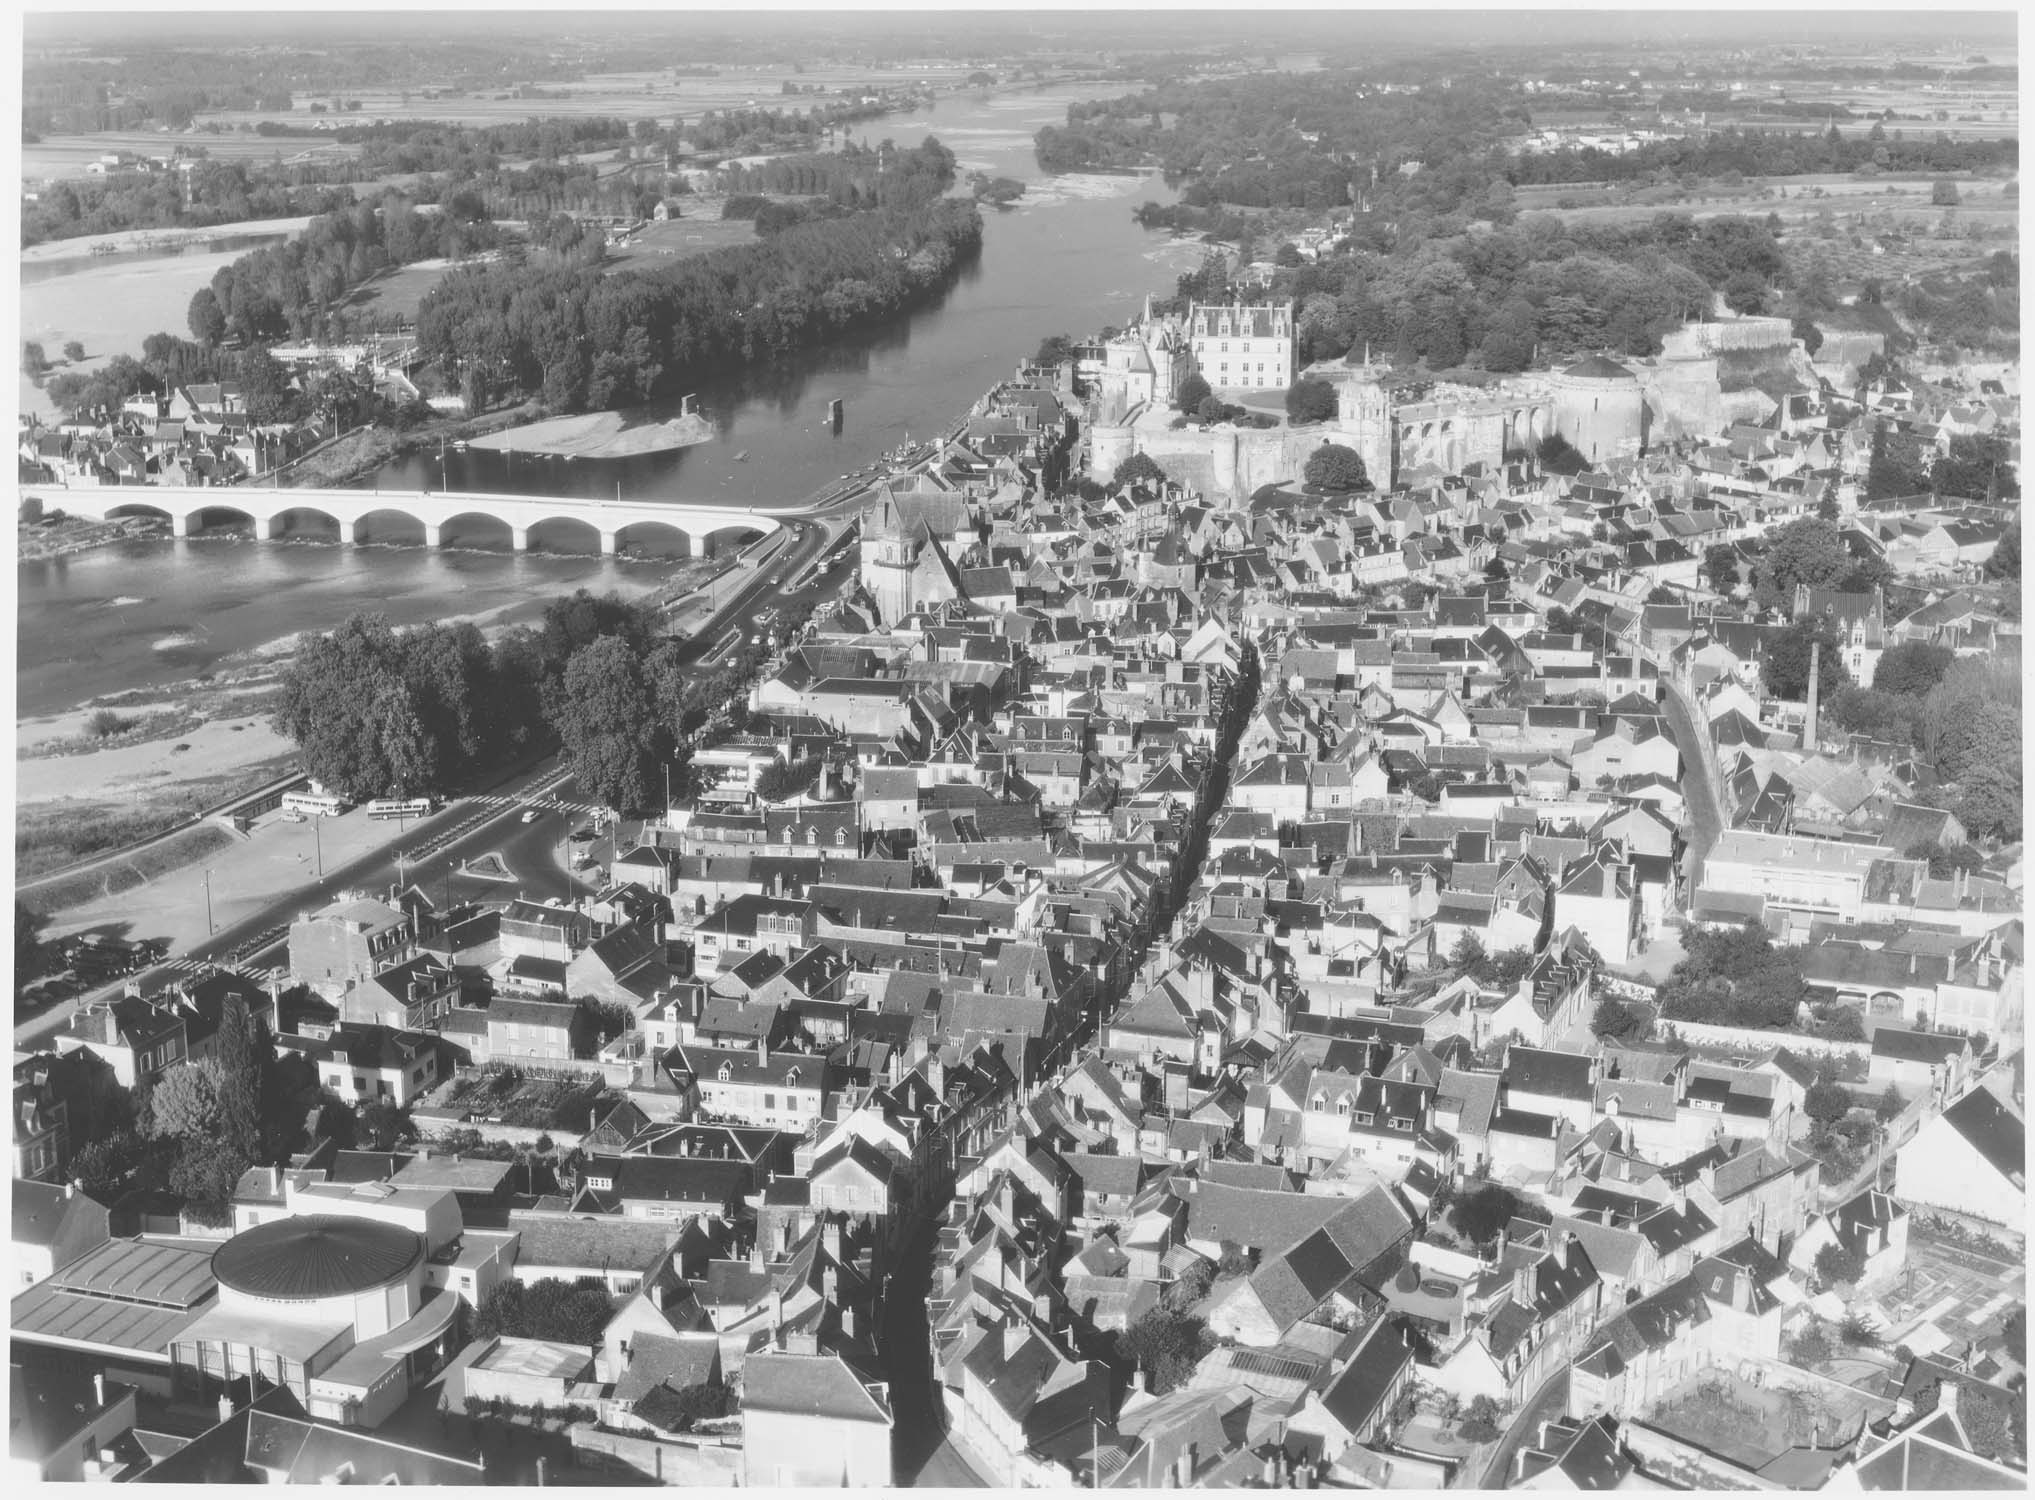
x: 602, y: 434
x: 360, y: 453
x: 80, y: 247
x: 40, y: 541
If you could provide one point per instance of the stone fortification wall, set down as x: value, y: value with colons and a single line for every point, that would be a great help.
x: 1226, y: 463
x: 1695, y: 340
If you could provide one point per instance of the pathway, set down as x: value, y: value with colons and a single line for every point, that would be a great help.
x: 1551, y: 1400
x: 1699, y: 793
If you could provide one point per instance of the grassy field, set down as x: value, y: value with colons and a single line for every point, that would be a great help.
x: 678, y: 238
x: 397, y: 293
x: 68, y: 155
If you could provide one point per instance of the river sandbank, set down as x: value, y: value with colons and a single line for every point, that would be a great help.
x: 80, y: 246
x: 603, y: 434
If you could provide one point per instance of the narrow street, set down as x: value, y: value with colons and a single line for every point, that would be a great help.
x: 1706, y: 819
x: 921, y: 1453
x: 1549, y: 1401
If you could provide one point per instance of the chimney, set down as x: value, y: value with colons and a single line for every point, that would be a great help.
x: 99, y: 1392
x: 763, y: 1051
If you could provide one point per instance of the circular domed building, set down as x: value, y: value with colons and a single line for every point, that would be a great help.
x: 1600, y: 408
x: 325, y: 1266
x: 334, y: 1307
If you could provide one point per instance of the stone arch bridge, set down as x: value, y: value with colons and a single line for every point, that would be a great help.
x: 697, y: 528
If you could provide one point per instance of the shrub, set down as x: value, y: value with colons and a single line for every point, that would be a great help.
x: 1480, y: 1421
x: 1858, y: 1333
x: 1193, y: 391
x: 104, y: 723
x: 1480, y: 1215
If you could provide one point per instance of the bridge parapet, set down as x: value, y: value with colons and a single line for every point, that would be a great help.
x: 696, y: 525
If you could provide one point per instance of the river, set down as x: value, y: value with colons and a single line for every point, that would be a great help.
x: 1066, y: 260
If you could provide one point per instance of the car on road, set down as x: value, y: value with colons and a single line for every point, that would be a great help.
x: 530, y: 814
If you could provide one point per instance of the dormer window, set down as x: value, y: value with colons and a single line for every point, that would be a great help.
x: 1401, y: 1123
x: 727, y: 1072
x: 1342, y: 1105
x: 791, y: 1078
x: 1365, y: 1117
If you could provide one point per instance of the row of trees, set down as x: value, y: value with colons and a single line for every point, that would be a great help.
x: 583, y: 339
x: 854, y: 177
x: 374, y: 712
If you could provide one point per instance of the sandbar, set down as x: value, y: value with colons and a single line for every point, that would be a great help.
x: 602, y: 434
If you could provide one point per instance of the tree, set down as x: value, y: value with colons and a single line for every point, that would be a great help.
x: 205, y: 1174
x: 103, y: 1167
x: 184, y: 1103
x: 1912, y: 667
x: 1287, y: 255
x: 1720, y: 567
x: 346, y: 703
x: 33, y: 361
x: 1480, y: 1215
x: 1616, y: 1021
x: 1167, y: 1344
x: 242, y: 1052
x: 2005, y: 563
x: 1811, y: 1346
x: 1784, y: 666
x: 1467, y: 956
x: 549, y: 1309
x: 1310, y: 400
x: 1138, y: 467
x: 1192, y: 392
x: 1480, y: 1421
x: 1857, y: 1332
x: 1807, y: 551
x: 386, y: 1125
x: 1826, y: 1102
x: 1978, y: 466
x: 1056, y: 349
x: 1987, y: 1421
x: 28, y: 926
x: 1888, y: 1105
x: 74, y: 351
x: 1836, y: 1264
x: 1897, y: 465
x: 602, y: 716
x: 701, y: 1403
x: 1558, y: 456
x: 1943, y: 193
x: 1336, y: 469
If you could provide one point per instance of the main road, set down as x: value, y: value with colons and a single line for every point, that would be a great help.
x: 432, y: 852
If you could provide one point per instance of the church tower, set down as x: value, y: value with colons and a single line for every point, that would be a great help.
x: 888, y: 557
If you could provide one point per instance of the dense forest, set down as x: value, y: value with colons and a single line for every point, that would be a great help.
x: 1331, y: 139
x: 583, y: 338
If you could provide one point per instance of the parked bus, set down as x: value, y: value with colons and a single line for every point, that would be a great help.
x: 314, y: 804
x: 398, y: 807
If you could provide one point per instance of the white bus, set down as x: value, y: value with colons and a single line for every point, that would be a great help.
x: 314, y: 804
x: 398, y: 807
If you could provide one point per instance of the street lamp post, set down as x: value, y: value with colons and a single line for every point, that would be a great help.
x: 318, y: 841
x: 209, y: 928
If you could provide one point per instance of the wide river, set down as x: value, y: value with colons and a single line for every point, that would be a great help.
x: 1068, y: 259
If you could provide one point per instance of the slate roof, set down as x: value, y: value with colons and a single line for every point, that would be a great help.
x: 1993, y: 1131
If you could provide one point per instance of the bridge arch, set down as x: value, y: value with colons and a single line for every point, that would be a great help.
x: 387, y: 523
x: 282, y: 522
x: 735, y: 532
x: 586, y: 535
x: 133, y: 508
x: 198, y: 517
x: 463, y: 527
x: 650, y: 534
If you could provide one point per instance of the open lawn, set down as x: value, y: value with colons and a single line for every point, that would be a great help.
x: 396, y: 294
x: 677, y: 238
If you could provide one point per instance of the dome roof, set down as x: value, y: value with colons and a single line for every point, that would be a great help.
x: 316, y: 1256
x: 1597, y: 367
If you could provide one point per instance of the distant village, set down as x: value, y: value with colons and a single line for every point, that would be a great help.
x: 1165, y: 990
